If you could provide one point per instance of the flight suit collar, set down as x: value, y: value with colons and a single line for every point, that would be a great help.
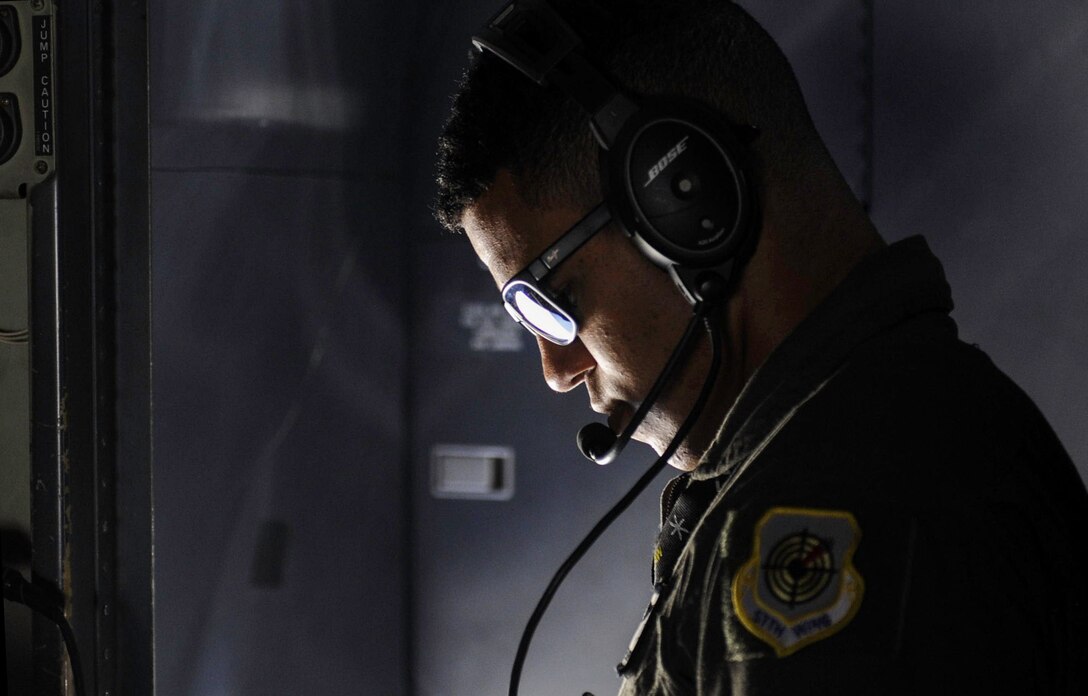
x: 898, y: 282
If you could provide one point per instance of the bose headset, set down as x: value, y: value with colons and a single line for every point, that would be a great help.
x: 673, y: 173
x: 672, y: 170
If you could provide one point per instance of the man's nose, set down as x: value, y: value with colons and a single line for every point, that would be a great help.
x: 565, y: 367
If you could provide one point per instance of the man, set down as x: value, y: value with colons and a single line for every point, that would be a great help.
x: 867, y: 505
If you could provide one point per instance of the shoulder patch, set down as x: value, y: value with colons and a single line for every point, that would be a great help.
x: 800, y: 585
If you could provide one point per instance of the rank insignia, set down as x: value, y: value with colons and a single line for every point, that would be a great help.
x: 800, y: 585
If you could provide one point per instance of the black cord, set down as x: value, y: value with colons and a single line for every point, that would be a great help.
x: 17, y: 589
x: 701, y: 314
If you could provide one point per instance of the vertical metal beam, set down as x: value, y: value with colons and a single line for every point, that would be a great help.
x: 91, y: 355
x: 129, y: 174
x: 66, y: 312
x: 46, y: 434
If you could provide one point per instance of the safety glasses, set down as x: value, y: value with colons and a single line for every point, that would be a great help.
x: 532, y: 303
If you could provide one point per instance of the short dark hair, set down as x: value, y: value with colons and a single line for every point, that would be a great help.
x: 710, y: 50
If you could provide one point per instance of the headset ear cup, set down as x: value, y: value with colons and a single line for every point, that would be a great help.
x: 676, y: 180
x: 683, y: 186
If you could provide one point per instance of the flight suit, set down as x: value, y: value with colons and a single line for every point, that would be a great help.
x: 882, y: 512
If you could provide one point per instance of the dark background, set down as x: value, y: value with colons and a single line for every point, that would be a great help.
x: 315, y: 333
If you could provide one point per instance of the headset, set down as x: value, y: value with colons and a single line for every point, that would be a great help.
x: 673, y: 174
x: 673, y: 171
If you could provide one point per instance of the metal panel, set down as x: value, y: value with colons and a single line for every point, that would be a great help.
x: 133, y: 530
x: 278, y: 384
x: 279, y: 338
x: 14, y: 436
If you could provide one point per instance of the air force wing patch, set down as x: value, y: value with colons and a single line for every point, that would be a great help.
x: 799, y: 586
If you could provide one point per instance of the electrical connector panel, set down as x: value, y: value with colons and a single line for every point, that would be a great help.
x: 27, y: 96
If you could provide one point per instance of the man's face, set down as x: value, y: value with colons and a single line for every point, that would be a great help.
x: 630, y: 314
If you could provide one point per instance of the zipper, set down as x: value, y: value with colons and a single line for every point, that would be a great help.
x: 670, y: 494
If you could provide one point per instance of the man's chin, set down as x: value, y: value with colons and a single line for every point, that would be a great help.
x: 648, y: 436
x: 619, y: 417
x: 651, y: 432
x: 659, y: 442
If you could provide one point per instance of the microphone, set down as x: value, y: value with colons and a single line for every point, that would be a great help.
x: 597, y: 442
x: 594, y: 441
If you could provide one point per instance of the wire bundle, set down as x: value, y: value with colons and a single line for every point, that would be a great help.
x: 14, y: 337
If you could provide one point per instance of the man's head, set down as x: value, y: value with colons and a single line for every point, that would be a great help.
x: 518, y: 167
x: 709, y: 50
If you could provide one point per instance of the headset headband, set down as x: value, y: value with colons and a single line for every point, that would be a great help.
x: 532, y: 37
